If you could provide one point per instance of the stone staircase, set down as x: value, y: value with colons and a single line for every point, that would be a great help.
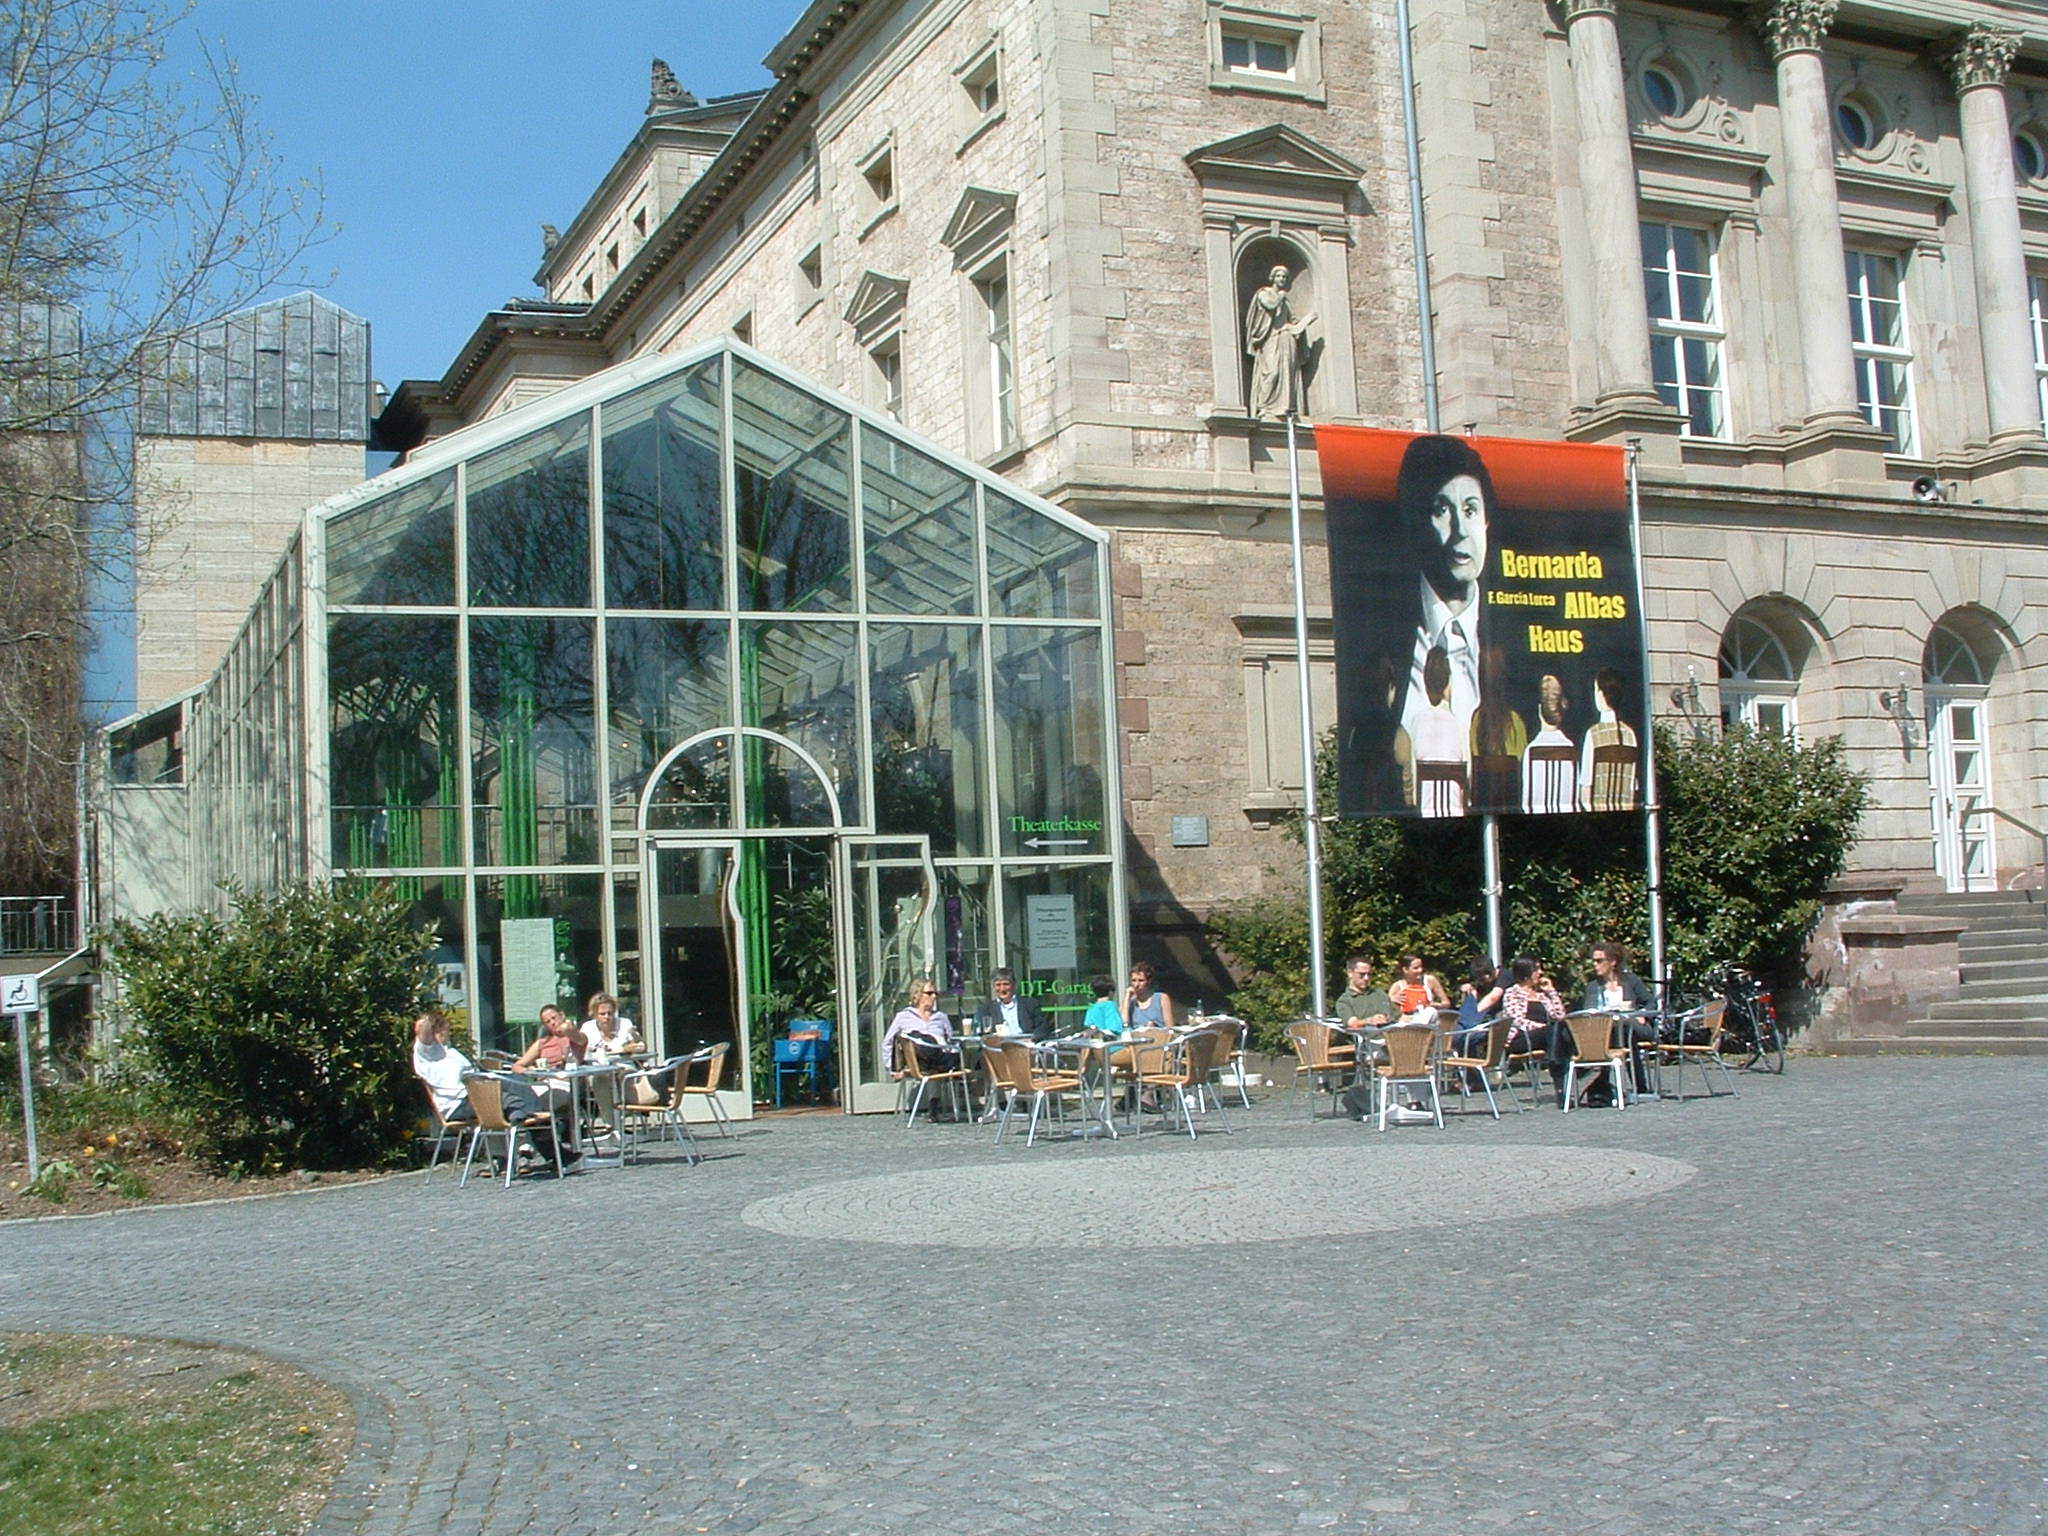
x: 2002, y: 1006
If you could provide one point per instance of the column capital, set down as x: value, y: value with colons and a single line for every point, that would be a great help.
x: 1574, y: 9
x: 1982, y: 55
x: 1793, y: 26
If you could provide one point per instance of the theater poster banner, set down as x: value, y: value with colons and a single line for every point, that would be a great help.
x: 1489, y: 653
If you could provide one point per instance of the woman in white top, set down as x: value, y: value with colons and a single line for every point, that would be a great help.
x: 608, y: 1032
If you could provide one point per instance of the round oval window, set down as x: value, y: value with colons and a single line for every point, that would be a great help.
x: 2028, y: 157
x: 1667, y: 98
x: 1855, y: 124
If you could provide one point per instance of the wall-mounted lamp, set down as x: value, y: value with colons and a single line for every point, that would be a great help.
x: 1686, y: 700
x: 1897, y: 702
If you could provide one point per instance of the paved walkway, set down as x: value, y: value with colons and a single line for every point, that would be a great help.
x: 1816, y: 1307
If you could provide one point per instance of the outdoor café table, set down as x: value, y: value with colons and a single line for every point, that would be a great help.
x: 580, y: 1079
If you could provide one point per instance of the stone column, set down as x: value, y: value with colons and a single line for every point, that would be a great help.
x: 1794, y: 29
x: 1977, y: 62
x: 1607, y: 174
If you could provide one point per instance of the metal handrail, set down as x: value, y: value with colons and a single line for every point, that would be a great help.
x: 2029, y: 828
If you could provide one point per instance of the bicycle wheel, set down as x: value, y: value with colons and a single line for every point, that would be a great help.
x: 1738, y: 1048
x: 1770, y: 1044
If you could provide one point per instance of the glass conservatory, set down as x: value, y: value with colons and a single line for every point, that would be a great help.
x: 697, y: 684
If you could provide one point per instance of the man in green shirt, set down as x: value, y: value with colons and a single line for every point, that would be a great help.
x: 1362, y: 1002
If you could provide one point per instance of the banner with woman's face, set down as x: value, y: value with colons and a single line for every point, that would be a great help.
x: 1489, y: 652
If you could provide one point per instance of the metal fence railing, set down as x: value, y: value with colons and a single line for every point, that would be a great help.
x: 37, y: 925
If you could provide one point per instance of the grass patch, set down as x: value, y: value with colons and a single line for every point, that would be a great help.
x: 121, y: 1437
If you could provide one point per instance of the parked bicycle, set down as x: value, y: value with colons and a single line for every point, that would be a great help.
x: 1751, y: 1039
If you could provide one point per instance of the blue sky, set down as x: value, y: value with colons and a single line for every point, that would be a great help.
x: 445, y: 133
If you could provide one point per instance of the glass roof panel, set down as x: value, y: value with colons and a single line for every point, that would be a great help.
x: 919, y: 517
x: 1038, y: 569
x: 397, y: 551
x: 793, y: 516
x: 663, y: 532
x: 529, y: 520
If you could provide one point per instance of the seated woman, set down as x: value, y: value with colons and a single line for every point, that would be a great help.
x: 929, y: 1031
x: 607, y: 1032
x: 1144, y: 1006
x: 1105, y: 1015
x: 558, y: 1046
x: 1535, y: 1015
x: 1417, y: 996
x: 1478, y: 1001
x: 1617, y: 989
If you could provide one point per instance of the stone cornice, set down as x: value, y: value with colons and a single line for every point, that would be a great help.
x: 1793, y: 26
x: 1981, y: 56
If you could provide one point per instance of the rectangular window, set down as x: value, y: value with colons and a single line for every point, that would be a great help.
x: 1884, y: 353
x: 983, y: 83
x: 810, y: 278
x: 993, y: 289
x: 1246, y: 52
x: 2037, y: 317
x: 888, y: 377
x: 878, y: 185
x: 1686, y: 331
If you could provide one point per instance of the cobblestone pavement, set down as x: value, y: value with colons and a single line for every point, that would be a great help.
x: 1815, y: 1307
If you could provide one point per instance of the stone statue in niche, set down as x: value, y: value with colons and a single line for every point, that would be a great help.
x: 1275, y: 339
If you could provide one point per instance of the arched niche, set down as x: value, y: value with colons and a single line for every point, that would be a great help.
x: 1257, y: 257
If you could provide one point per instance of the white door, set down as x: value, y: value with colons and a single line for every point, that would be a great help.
x: 891, y: 891
x: 1959, y: 788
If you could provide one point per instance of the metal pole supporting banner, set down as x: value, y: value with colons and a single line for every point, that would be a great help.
x: 1312, y: 827
x: 1489, y: 845
x: 1653, y: 846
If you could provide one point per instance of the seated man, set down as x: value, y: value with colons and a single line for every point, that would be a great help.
x: 1005, y: 1013
x: 442, y: 1068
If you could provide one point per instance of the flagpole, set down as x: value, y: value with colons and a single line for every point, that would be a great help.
x: 1312, y: 826
x: 1653, y: 848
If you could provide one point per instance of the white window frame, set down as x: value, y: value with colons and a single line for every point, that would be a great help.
x: 994, y: 352
x: 1713, y: 334
x: 885, y: 375
x: 1900, y: 423
x: 2037, y: 324
x: 1298, y: 31
x: 1759, y: 702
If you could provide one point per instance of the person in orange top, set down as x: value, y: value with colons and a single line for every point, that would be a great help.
x: 1416, y: 994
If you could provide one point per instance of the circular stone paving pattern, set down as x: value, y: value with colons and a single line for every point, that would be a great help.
x: 1168, y: 1201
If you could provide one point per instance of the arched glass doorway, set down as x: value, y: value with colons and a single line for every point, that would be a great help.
x: 1956, y: 670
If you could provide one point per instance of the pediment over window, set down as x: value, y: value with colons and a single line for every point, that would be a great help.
x: 977, y: 220
x: 1278, y: 155
x: 877, y: 303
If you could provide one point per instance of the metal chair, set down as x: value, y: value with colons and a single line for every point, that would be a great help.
x: 487, y: 1103
x: 1411, y: 1049
x: 1016, y: 1075
x: 664, y: 1114
x: 703, y: 1083
x: 461, y: 1130
x: 1594, y: 1052
x: 1494, y: 1060
x: 1185, y: 1076
x: 1319, y: 1058
x: 1232, y: 1061
x: 922, y: 1077
x: 1706, y: 1023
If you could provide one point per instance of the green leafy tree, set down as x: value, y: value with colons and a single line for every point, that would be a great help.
x: 282, y: 1029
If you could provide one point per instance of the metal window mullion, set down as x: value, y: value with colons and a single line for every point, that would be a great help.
x: 728, y: 495
x: 465, y: 753
x: 992, y: 814
x: 863, y: 692
x: 600, y: 667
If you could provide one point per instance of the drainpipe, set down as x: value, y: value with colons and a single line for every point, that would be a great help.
x: 1425, y: 308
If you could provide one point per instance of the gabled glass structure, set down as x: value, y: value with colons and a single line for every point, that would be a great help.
x: 698, y: 684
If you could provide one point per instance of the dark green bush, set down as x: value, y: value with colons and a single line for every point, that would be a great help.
x: 1755, y: 826
x: 281, y: 1031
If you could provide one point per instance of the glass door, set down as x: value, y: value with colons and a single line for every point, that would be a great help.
x: 1959, y: 789
x: 890, y: 920
x: 694, y: 937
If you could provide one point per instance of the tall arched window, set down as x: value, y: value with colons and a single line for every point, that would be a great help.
x: 1759, y: 677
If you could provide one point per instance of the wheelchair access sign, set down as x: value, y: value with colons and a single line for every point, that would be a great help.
x: 20, y: 994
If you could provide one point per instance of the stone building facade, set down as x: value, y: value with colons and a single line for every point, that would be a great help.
x: 1799, y: 252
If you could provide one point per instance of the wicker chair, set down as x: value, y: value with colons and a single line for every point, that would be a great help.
x: 1595, y: 1052
x: 1232, y: 1059
x: 1698, y: 1041
x: 1411, y: 1053
x: 703, y: 1082
x: 1322, y: 1057
x: 666, y: 1115
x: 1017, y: 1076
x: 460, y: 1130
x: 1493, y: 1062
x: 921, y: 1079
x: 1184, y: 1076
x: 487, y: 1103
x: 1529, y: 1058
